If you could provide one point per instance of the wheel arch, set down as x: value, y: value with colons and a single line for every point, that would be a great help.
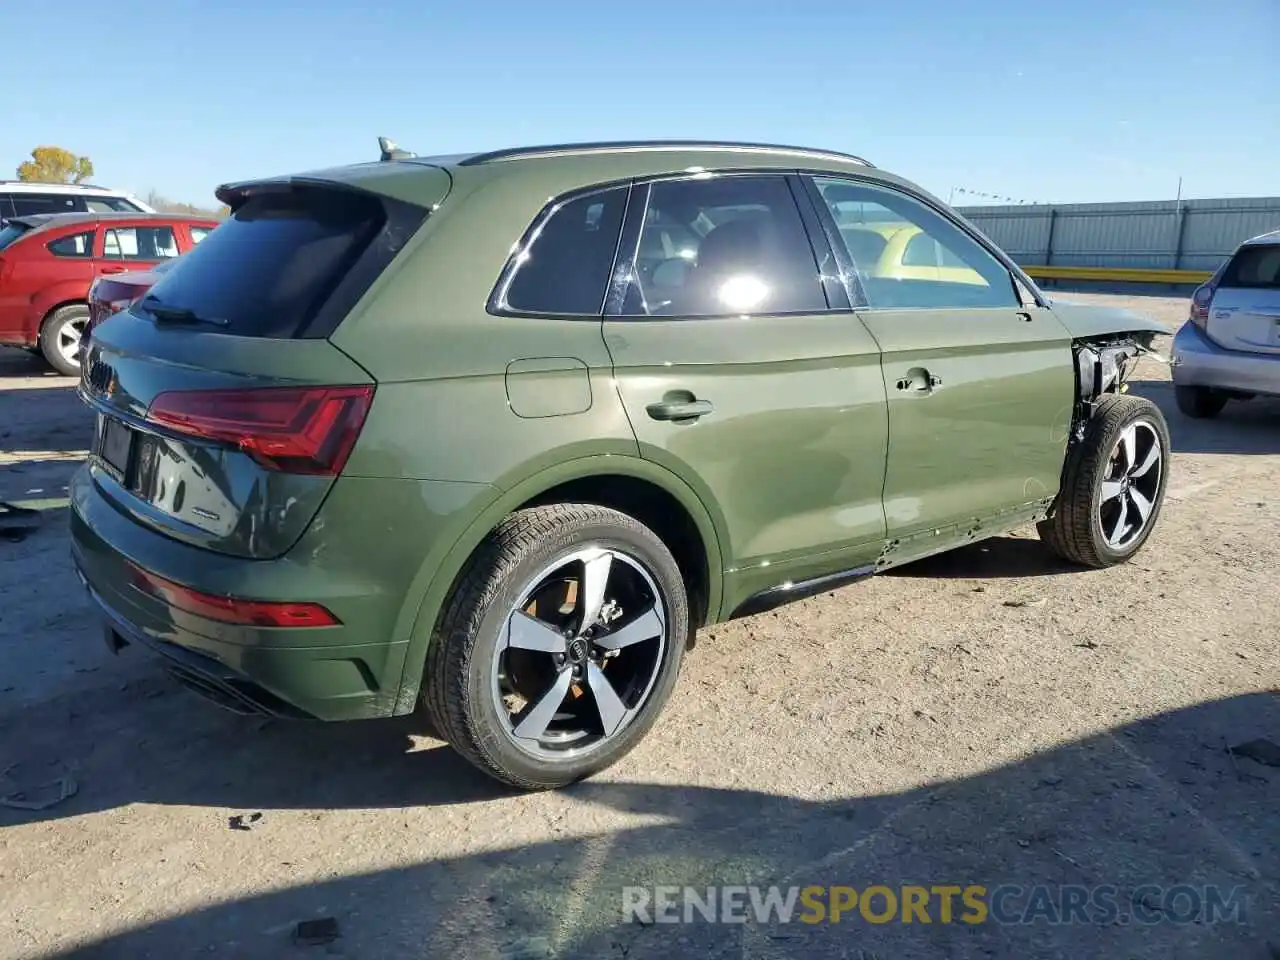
x: 38, y: 313
x: 48, y: 312
x: 670, y: 507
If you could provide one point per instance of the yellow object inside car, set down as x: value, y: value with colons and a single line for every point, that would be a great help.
x: 902, y: 251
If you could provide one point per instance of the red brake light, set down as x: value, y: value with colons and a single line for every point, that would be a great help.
x: 250, y: 613
x: 292, y: 429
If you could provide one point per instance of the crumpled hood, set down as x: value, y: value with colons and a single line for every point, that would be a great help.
x: 1085, y: 320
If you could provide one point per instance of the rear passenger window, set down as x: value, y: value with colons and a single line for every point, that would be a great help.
x: 139, y: 243
x: 76, y: 245
x: 909, y: 256
x: 564, y: 270
x: 1255, y: 267
x: 723, y: 246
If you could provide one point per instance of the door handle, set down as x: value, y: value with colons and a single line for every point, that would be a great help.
x: 919, y: 380
x: 679, y: 409
x: 1024, y: 316
x: 113, y: 269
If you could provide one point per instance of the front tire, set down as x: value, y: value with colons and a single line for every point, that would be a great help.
x: 1113, y: 485
x: 1202, y: 403
x: 60, y: 338
x: 559, y: 645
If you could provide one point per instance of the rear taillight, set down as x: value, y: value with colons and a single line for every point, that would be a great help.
x: 99, y: 310
x: 1200, y: 301
x: 291, y: 429
x: 248, y: 613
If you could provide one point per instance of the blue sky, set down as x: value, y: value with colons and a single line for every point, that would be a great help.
x: 1077, y: 101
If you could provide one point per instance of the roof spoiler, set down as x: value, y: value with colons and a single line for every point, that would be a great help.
x: 391, y: 152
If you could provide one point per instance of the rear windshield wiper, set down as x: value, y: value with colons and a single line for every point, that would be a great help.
x: 169, y: 314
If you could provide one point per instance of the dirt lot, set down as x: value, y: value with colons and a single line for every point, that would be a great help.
x: 987, y: 717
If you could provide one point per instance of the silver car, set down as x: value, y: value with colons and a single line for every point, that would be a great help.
x: 1229, y: 348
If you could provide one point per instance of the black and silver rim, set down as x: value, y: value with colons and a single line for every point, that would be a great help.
x: 578, y: 656
x: 68, y: 337
x: 1131, y: 484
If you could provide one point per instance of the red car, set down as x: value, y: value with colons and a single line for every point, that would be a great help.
x: 49, y: 261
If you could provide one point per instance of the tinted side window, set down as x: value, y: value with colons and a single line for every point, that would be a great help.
x: 909, y: 256
x: 139, y: 243
x: 26, y: 204
x: 76, y: 245
x: 723, y: 246
x: 109, y: 205
x: 1254, y: 267
x: 564, y: 269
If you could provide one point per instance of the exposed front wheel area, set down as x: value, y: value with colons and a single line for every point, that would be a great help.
x: 60, y: 338
x: 1131, y: 484
x: 559, y: 647
x: 1113, y: 485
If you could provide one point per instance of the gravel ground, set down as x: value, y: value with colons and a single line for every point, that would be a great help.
x: 985, y: 717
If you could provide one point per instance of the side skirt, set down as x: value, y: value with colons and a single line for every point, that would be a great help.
x: 896, y: 553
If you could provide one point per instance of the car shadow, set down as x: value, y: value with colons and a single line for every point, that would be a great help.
x: 1243, y: 427
x: 1123, y: 817
x: 15, y: 362
x: 994, y: 558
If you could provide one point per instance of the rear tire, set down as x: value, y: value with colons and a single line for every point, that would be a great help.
x: 1202, y: 403
x: 521, y: 647
x: 1098, y: 518
x: 60, y: 338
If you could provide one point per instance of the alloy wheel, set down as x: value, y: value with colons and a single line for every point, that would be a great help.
x: 1131, y: 484
x: 578, y: 656
x: 68, y: 342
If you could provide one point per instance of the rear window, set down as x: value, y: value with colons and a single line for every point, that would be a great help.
x: 1256, y: 267
x: 272, y: 266
x: 11, y: 232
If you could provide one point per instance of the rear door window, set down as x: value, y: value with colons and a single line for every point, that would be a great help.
x: 723, y: 246
x: 268, y: 269
x: 564, y: 268
x: 139, y: 243
x: 1254, y: 268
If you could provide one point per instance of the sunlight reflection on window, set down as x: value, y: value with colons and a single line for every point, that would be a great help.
x: 742, y: 292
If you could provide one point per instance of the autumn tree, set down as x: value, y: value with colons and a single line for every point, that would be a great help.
x: 55, y: 165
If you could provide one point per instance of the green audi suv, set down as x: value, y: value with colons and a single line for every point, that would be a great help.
x: 492, y: 436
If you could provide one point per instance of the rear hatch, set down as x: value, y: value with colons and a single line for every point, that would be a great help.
x: 224, y: 414
x: 1245, y: 312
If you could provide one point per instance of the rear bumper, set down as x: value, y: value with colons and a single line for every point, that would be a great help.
x: 199, y: 672
x: 1198, y: 362
x: 302, y: 673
